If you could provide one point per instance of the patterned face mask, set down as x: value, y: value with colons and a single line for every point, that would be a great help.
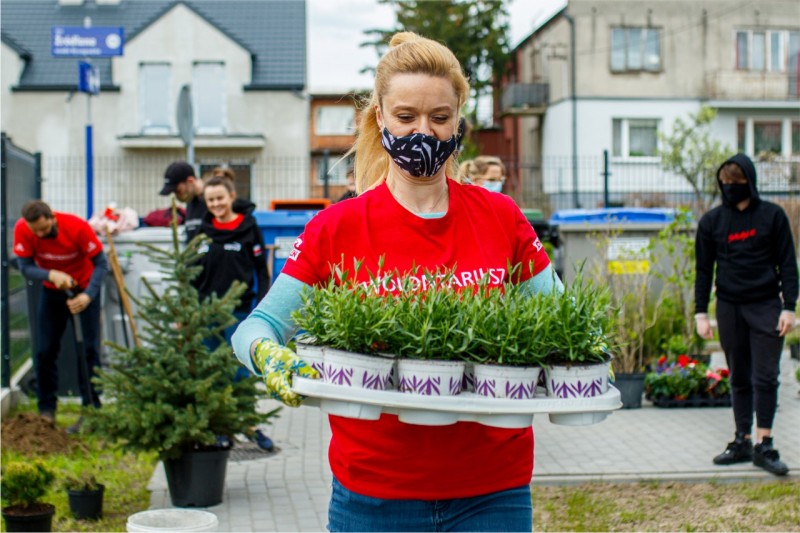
x: 418, y: 154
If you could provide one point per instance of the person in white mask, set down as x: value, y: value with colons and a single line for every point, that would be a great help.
x: 489, y: 172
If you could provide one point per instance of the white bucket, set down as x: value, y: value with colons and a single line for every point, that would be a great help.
x: 500, y: 381
x: 357, y: 370
x: 173, y: 520
x: 430, y: 377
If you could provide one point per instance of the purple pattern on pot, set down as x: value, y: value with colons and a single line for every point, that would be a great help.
x: 319, y: 367
x: 428, y: 386
x: 520, y: 391
x: 485, y: 387
x: 468, y: 382
x: 577, y: 388
x: 455, y: 386
x: 374, y: 381
x: 339, y: 376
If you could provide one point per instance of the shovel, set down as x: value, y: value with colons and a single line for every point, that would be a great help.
x: 83, y: 366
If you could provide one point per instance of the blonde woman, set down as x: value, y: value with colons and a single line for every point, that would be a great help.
x: 388, y: 475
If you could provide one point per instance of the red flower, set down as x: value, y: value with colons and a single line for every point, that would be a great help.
x: 713, y: 375
x: 662, y: 360
x: 724, y: 372
x: 683, y: 360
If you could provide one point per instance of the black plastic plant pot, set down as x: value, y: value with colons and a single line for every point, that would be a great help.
x: 631, y: 388
x: 38, y: 519
x: 197, y: 478
x: 86, y: 504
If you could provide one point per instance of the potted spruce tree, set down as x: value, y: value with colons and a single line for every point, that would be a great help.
x: 23, y: 486
x: 174, y: 395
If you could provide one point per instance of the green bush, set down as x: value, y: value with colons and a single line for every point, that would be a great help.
x: 24, y: 483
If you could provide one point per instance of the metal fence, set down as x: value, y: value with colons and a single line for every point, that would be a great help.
x: 20, y: 182
x: 548, y: 184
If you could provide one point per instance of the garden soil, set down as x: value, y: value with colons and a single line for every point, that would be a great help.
x: 30, y: 434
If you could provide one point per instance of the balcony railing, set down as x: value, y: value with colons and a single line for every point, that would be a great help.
x: 525, y: 98
x: 749, y: 85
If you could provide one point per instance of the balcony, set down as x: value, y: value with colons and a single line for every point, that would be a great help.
x: 750, y: 85
x: 525, y: 98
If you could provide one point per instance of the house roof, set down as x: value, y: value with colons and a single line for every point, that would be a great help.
x: 273, y: 31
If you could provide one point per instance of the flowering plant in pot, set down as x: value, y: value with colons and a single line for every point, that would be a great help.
x: 682, y: 381
x: 23, y: 486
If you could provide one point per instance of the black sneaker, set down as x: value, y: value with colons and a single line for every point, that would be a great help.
x: 738, y: 451
x: 76, y: 427
x: 768, y: 458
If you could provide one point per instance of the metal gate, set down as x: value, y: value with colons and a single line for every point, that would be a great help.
x: 21, y: 180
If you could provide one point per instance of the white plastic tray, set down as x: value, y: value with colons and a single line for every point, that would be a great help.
x: 369, y: 404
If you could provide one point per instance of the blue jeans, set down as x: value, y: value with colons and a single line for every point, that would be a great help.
x: 212, y: 343
x: 53, y: 317
x: 508, y: 510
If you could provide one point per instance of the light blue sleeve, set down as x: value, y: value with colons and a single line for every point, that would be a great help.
x: 271, y: 319
x: 545, y: 282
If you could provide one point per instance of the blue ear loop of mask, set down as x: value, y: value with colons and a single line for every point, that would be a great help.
x: 418, y: 154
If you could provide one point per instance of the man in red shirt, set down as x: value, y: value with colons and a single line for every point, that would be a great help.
x: 62, y: 251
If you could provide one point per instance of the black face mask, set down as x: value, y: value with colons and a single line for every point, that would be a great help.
x: 736, y: 192
x: 53, y: 233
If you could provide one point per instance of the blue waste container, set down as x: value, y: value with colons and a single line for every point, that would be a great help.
x: 280, y: 229
x: 616, y: 215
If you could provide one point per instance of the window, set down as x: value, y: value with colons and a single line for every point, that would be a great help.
x: 796, y: 138
x: 635, y: 49
x: 767, y: 51
x: 334, y: 120
x: 337, y: 170
x: 154, y: 106
x: 766, y: 137
x: 634, y: 137
x: 208, y: 97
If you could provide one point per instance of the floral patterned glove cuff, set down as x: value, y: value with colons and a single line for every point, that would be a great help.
x: 276, y: 364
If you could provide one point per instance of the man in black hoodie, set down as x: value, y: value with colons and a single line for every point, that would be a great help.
x: 750, y: 241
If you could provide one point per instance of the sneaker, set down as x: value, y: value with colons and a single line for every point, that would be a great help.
x: 768, y: 458
x: 76, y: 427
x: 738, y: 451
x: 49, y: 415
x: 264, y: 442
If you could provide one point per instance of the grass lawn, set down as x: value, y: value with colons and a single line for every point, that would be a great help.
x: 124, y: 474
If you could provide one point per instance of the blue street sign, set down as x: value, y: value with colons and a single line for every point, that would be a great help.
x: 88, y: 78
x: 75, y: 41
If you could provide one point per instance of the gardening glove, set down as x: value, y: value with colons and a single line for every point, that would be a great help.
x: 703, y: 325
x: 276, y: 364
x: 785, y: 323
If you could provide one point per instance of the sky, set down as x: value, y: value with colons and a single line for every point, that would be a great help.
x: 336, y: 28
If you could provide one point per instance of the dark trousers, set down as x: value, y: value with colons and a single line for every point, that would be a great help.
x: 748, y: 334
x: 54, y: 317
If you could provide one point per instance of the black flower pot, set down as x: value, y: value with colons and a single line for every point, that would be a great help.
x: 197, y: 478
x: 38, y: 517
x: 86, y: 504
x: 631, y: 388
x: 794, y: 351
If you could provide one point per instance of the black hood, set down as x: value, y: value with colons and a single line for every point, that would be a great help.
x: 749, y: 170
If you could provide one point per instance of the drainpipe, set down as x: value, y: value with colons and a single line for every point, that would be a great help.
x: 573, y: 97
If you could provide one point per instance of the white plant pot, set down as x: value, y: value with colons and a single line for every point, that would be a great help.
x: 313, y: 355
x: 584, y: 381
x: 501, y: 381
x: 357, y: 370
x: 468, y: 384
x: 430, y: 378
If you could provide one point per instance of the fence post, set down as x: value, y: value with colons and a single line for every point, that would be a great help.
x: 606, y: 174
x: 5, y: 332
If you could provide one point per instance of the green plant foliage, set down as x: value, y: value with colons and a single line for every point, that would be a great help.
x: 690, y: 152
x: 793, y: 337
x: 85, y: 480
x: 24, y: 483
x: 173, y: 394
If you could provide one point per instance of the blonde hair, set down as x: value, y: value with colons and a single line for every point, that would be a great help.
x: 408, y: 53
x: 468, y: 171
x: 483, y: 162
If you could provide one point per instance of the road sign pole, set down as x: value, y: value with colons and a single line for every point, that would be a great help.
x: 89, y: 159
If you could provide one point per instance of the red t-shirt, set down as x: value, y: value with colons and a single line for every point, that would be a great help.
x: 71, y: 251
x: 481, y: 232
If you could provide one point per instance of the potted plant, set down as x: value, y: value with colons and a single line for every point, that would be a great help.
x: 510, y: 330
x: 577, y: 356
x: 85, y: 496
x: 684, y: 382
x: 172, y: 394
x: 23, y: 485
